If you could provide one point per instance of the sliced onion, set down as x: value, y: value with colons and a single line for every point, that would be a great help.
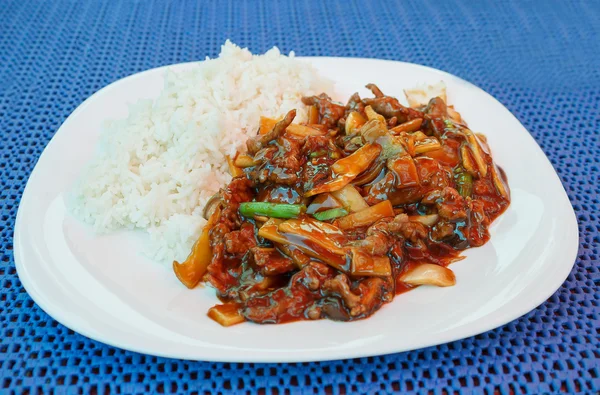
x: 373, y: 115
x: 455, y: 115
x: 211, y: 205
x: 304, y: 131
x: 367, y: 217
x: 350, y: 198
x: 430, y: 274
x: 364, y: 264
x: 373, y: 130
x: 353, y: 122
x: 500, y: 183
x: 348, y: 168
x: 420, y: 95
x: 476, y: 150
x: 410, y: 126
x: 370, y: 174
x: 323, y: 202
x: 427, y: 220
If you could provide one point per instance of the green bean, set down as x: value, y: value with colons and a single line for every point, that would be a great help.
x: 330, y: 214
x: 464, y: 184
x: 274, y: 210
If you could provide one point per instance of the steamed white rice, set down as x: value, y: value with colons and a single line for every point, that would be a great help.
x: 156, y: 169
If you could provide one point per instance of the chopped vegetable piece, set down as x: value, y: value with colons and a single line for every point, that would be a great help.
x: 299, y: 257
x: 348, y: 168
x: 483, y: 143
x: 410, y: 126
x: 467, y: 159
x: 405, y: 170
x: 233, y: 169
x: 464, y: 184
x: 420, y: 95
x: 373, y: 130
x: 427, y: 145
x: 210, y: 206
x: 358, y: 161
x: 454, y: 114
x: 270, y: 231
x: 266, y: 125
x: 500, y: 183
x: 477, y: 152
x: 372, y: 115
x: 370, y: 174
x: 364, y: 264
x: 427, y: 220
x: 193, y: 268
x: 358, y: 140
x: 322, y: 202
x: 226, y: 314
x: 430, y: 274
x: 420, y: 136
x: 313, y: 115
x: 350, y: 198
x: 317, y: 239
x: 330, y: 214
x: 303, y: 130
x: 261, y: 218
x: 243, y: 161
x: 392, y: 146
x: 306, y: 224
x: 275, y: 210
x: 408, y: 141
x: 318, y: 126
x: 353, y: 122
x: 366, y: 217
x: 446, y: 155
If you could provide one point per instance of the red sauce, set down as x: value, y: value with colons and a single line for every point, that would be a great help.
x: 443, y: 202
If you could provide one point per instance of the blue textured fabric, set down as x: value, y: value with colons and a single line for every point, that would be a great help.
x: 540, y: 58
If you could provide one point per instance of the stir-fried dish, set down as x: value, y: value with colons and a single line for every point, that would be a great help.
x: 333, y: 218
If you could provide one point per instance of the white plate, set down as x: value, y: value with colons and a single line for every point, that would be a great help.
x: 103, y: 288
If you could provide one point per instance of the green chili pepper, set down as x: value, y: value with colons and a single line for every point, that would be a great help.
x: 275, y: 210
x: 330, y: 214
x: 464, y: 184
x: 316, y: 154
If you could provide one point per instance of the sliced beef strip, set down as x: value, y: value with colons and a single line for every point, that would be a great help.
x: 290, y: 302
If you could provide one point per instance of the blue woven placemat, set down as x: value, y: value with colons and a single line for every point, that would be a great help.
x: 540, y: 58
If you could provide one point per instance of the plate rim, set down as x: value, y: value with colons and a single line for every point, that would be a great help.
x: 269, y: 356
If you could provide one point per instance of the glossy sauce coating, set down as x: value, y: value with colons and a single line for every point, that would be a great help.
x: 428, y: 185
